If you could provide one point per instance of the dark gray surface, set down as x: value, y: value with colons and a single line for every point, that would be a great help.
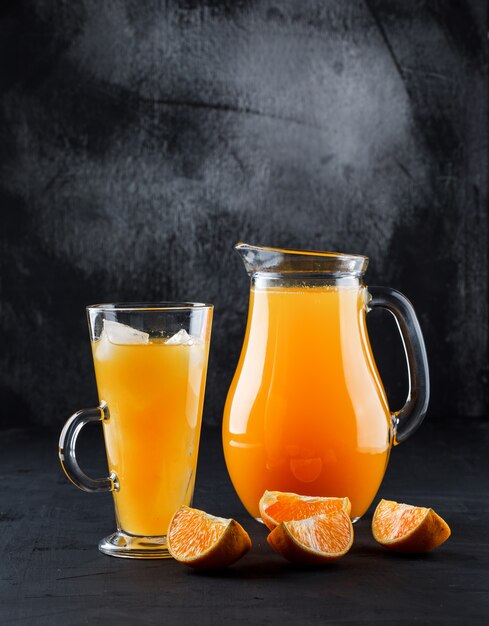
x: 139, y: 141
x: 51, y: 572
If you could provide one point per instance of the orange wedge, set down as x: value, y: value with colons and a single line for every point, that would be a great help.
x: 279, y: 506
x: 203, y: 541
x: 407, y: 528
x: 315, y: 540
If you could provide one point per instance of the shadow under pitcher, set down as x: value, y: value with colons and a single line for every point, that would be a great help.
x: 150, y: 364
x: 306, y: 411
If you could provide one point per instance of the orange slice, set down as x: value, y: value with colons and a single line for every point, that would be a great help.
x: 279, y: 506
x: 407, y: 528
x: 203, y: 541
x: 315, y: 540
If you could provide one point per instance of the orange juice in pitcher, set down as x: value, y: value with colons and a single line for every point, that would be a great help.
x: 306, y: 411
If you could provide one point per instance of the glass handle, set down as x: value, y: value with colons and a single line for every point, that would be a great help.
x: 407, y: 420
x: 67, y: 453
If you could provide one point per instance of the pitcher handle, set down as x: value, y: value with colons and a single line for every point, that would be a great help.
x: 407, y: 420
x: 67, y: 454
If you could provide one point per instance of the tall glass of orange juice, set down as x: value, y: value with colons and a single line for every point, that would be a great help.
x: 306, y: 411
x: 150, y: 365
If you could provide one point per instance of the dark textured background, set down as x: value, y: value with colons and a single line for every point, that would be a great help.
x: 140, y: 140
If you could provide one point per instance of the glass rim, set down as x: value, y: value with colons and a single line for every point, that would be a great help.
x: 241, y: 245
x: 284, y: 261
x: 149, y: 306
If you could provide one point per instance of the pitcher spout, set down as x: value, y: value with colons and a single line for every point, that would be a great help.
x: 280, y: 261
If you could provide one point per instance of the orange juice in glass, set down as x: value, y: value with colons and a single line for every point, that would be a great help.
x: 150, y: 365
x: 306, y: 411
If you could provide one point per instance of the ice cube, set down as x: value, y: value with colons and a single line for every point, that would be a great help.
x: 122, y: 334
x: 182, y: 338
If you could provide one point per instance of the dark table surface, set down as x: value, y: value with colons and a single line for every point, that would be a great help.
x: 52, y: 573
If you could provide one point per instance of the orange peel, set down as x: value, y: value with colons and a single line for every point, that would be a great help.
x: 316, y: 540
x: 203, y: 541
x: 406, y: 528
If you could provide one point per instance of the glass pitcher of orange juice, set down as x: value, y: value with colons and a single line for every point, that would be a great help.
x: 306, y: 411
